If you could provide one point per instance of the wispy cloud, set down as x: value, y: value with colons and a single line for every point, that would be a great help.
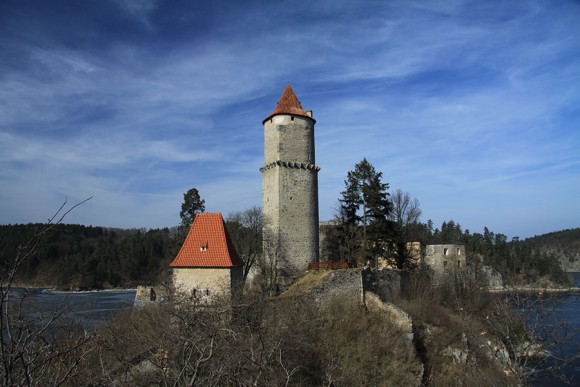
x: 456, y: 102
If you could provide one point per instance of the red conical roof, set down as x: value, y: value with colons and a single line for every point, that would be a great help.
x: 207, y: 245
x: 288, y: 104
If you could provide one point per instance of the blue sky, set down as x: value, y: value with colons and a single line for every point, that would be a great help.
x: 473, y: 107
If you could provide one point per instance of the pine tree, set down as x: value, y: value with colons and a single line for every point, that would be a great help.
x: 365, y: 201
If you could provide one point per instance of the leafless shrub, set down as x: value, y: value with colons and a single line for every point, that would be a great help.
x: 37, y: 348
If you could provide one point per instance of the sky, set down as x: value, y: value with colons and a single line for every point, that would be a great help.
x: 472, y: 107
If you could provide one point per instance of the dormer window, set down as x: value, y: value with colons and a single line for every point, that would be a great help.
x: 203, y: 247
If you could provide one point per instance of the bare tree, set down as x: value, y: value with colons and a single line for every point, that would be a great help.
x: 245, y: 229
x: 405, y: 216
x: 269, y: 262
x: 406, y: 210
x: 35, y: 348
x: 529, y: 334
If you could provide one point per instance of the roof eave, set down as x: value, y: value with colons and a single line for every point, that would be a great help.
x: 288, y: 114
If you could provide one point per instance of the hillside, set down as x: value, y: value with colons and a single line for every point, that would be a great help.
x: 564, y: 245
x: 86, y: 257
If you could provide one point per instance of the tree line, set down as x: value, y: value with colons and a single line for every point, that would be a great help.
x: 87, y: 257
x: 370, y: 223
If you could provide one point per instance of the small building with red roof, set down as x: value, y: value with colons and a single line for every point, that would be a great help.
x: 207, y: 263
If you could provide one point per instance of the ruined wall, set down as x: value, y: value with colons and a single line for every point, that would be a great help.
x: 444, y: 259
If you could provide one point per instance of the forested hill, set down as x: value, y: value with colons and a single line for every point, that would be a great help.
x: 565, y: 245
x: 86, y: 257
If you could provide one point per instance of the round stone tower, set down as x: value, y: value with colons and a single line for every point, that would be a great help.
x: 289, y: 188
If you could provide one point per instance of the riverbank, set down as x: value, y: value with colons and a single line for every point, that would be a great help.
x: 55, y: 290
x: 535, y: 290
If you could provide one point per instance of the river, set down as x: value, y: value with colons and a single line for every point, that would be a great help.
x: 567, y: 308
x: 90, y: 309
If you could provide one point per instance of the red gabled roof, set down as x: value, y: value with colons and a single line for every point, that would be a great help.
x: 288, y: 104
x: 207, y: 245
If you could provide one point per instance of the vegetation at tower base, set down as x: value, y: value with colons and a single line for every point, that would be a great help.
x: 192, y: 204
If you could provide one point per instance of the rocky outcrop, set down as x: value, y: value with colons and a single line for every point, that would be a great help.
x: 398, y: 317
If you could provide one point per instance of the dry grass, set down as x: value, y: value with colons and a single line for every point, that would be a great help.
x: 306, y: 282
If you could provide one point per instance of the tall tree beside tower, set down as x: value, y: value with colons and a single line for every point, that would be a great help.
x: 365, y: 201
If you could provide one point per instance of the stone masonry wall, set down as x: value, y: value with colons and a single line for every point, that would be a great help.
x: 443, y: 259
x: 290, y: 193
x: 207, y: 282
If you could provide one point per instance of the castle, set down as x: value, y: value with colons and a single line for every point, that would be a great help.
x: 208, y: 264
x: 290, y: 188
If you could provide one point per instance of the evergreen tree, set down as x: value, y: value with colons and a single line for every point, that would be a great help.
x: 365, y: 200
x: 192, y: 205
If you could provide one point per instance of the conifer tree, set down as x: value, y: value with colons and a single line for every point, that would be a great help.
x: 192, y: 205
x: 365, y: 201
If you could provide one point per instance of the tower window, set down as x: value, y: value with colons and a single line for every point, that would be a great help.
x: 445, y: 251
x: 459, y: 264
x: 458, y: 251
x: 291, y: 118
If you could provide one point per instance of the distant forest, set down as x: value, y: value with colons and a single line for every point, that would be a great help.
x: 518, y: 261
x: 87, y: 257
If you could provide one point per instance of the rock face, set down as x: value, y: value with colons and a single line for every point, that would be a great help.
x: 493, y: 279
x: 398, y: 317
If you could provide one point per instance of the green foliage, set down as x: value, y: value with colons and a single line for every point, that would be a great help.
x: 192, y: 205
x: 365, y: 201
x: 87, y: 257
x: 522, y: 262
